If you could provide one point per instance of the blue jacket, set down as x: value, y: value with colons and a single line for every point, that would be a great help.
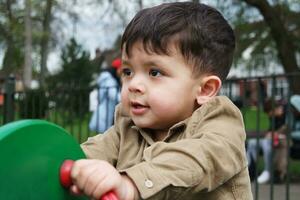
x: 108, y: 98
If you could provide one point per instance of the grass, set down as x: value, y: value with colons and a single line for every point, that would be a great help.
x: 76, y: 125
x: 252, y: 117
x: 295, y: 169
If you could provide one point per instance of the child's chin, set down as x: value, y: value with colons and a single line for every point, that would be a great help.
x: 142, y: 124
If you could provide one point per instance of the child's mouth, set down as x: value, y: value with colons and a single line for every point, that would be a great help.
x: 138, y: 109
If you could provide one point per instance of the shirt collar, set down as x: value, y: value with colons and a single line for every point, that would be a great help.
x: 176, y: 128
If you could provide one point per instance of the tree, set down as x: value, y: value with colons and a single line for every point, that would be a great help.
x: 72, y: 83
x: 46, y: 33
x: 27, y: 22
x: 267, y: 34
x: 27, y: 75
x: 77, y: 69
x: 11, y: 37
x: 277, y: 19
x: 18, y: 18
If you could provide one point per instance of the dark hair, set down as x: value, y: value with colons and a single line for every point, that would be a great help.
x: 199, y: 32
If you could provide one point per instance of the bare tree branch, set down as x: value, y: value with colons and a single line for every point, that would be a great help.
x: 282, y: 38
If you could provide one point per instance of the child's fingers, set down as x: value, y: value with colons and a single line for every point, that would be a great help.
x: 75, y: 190
x: 81, y: 171
x: 92, y: 181
x: 94, y: 177
x: 98, y: 182
x: 103, y: 187
x: 107, y: 184
x: 77, y: 166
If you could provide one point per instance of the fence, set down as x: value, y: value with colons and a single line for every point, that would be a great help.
x: 250, y: 95
x: 69, y: 108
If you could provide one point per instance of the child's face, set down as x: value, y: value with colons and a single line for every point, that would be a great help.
x: 157, y: 90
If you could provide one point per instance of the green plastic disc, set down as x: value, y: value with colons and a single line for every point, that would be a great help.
x: 32, y: 152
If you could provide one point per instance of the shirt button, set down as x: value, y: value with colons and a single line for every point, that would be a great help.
x: 148, y: 183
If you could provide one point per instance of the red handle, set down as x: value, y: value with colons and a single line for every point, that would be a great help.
x: 66, y: 181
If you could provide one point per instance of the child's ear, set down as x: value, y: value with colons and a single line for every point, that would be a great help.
x: 209, y: 87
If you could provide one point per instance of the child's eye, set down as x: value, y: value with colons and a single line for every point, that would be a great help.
x: 155, y: 72
x: 126, y: 72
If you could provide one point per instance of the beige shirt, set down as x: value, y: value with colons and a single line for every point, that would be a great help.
x: 202, y: 157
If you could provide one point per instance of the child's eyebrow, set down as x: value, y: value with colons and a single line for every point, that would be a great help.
x: 146, y: 63
x: 125, y: 62
x: 150, y: 63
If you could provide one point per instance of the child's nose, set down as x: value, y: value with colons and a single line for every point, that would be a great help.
x: 137, y: 85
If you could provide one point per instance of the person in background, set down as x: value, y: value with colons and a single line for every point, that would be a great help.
x: 93, y: 100
x: 277, y: 118
x: 295, y: 134
x: 108, y: 96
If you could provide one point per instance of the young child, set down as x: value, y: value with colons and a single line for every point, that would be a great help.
x: 173, y: 137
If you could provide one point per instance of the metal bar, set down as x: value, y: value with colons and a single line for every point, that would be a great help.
x: 9, y: 109
x: 272, y: 137
x: 288, y: 137
x: 257, y: 135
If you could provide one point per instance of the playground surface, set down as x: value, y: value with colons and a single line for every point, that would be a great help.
x: 279, y: 191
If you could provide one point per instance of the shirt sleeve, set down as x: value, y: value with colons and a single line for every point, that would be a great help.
x: 103, y: 146
x: 212, y: 154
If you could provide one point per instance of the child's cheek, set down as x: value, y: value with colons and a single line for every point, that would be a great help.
x: 125, y: 100
x: 158, y: 103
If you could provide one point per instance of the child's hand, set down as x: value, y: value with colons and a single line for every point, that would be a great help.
x: 97, y: 177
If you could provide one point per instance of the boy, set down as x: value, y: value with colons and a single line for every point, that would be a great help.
x: 173, y: 137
